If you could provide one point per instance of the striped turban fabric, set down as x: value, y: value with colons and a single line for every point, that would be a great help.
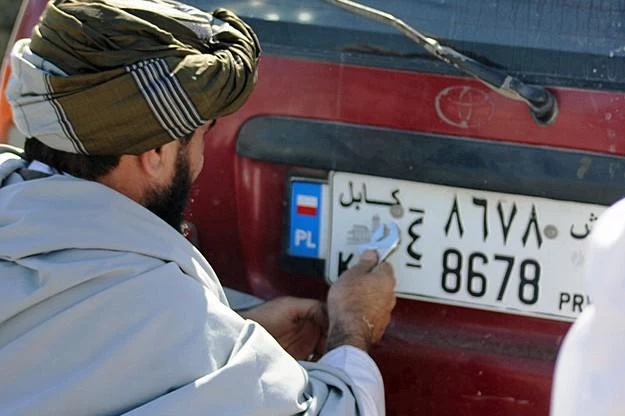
x: 113, y: 77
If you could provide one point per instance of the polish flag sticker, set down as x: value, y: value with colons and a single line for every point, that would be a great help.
x: 307, y: 205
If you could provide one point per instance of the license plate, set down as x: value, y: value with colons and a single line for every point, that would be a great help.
x: 510, y: 253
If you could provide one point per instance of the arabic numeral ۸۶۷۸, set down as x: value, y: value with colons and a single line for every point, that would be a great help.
x: 476, y: 281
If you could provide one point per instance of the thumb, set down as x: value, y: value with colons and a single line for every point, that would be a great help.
x: 366, y: 263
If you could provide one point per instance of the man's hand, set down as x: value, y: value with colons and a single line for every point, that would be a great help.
x: 360, y: 303
x: 299, y: 325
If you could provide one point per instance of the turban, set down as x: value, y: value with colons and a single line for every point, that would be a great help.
x: 112, y: 77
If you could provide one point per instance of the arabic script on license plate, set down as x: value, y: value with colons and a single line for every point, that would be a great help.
x: 511, y: 253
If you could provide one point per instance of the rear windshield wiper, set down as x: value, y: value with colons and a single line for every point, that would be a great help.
x: 542, y: 104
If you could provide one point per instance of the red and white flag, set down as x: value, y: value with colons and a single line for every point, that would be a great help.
x: 307, y: 205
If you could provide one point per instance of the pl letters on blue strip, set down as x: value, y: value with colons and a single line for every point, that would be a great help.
x: 304, y: 232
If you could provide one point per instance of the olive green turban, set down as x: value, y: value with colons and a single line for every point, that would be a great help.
x: 112, y: 77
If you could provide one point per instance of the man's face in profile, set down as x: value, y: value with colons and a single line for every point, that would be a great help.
x: 169, y: 202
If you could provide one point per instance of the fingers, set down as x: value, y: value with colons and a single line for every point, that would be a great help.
x: 304, y: 309
x: 319, y: 316
x: 360, y: 303
x: 366, y: 263
x: 385, y: 270
x: 386, y: 292
x: 302, y: 305
x: 303, y: 341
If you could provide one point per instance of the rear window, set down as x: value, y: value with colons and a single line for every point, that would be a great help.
x: 565, y: 42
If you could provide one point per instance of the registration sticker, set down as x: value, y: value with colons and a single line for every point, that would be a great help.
x: 510, y: 253
x: 308, y: 218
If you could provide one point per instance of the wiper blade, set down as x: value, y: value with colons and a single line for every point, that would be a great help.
x: 542, y: 104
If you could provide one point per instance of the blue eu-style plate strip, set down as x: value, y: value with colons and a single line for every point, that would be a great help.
x: 305, y: 224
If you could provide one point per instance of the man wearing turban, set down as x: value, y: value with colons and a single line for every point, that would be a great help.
x: 105, y: 308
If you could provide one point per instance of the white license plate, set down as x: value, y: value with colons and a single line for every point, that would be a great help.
x: 505, y: 252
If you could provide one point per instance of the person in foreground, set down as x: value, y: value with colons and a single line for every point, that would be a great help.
x: 590, y: 368
x: 105, y: 308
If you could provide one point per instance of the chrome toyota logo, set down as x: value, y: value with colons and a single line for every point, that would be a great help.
x: 464, y: 107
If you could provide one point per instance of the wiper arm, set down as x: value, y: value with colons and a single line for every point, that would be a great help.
x: 542, y: 104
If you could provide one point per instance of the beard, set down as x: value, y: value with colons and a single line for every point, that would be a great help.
x: 169, y: 202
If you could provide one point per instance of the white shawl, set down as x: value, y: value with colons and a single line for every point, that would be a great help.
x: 105, y: 309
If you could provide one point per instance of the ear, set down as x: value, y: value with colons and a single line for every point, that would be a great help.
x: 159, y: 164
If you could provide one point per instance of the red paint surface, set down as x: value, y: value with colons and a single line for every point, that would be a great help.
x: 435, y: 359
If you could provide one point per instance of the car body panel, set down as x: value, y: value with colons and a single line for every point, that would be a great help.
x: 436, y: 359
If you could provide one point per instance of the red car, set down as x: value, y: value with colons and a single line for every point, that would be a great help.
x: 494, y: 188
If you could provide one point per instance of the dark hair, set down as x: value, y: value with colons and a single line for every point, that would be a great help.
x: 89, y: 167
